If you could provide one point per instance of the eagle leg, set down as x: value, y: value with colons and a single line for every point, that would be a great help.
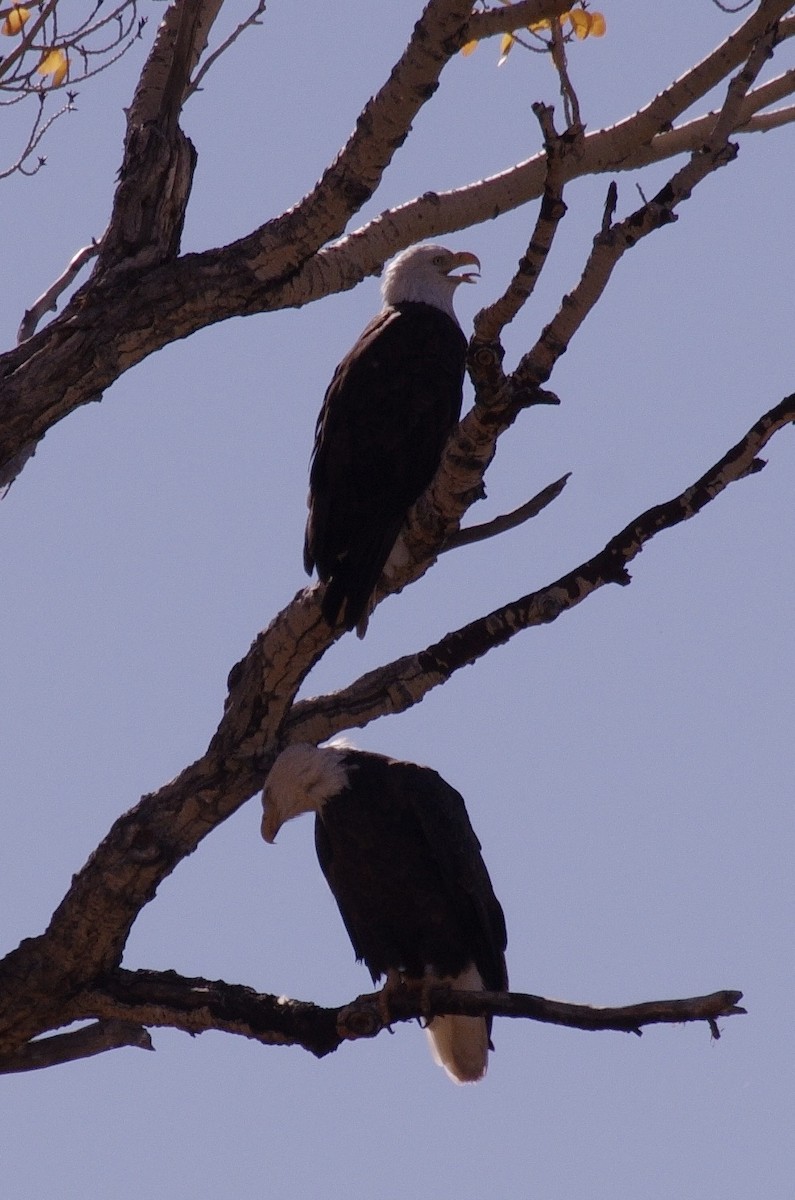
x: 394, y: 981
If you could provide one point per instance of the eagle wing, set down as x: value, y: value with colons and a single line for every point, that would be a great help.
x: 442, y: 815
x: 386, y: 416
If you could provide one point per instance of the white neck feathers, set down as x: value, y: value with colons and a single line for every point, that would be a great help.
x: 418, y: 276
x: 301, y: 780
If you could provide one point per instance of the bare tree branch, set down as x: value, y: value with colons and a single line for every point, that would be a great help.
x: 89, y: 47
x: 530, y: 508
x: 38, y: 130
x: 281, y: 246
x: 500, y: 399
x: 164, y: 999
x: 48, y: 301
x: 172, y: 300
x: 766, y: 122
x: 363, y: 1017
x: 130, y: 1000
x: 637, y: 140
x: 251, y: 20
x: 142, y: 295
x: 490, y: 322
x: 614, y: 240
x: 69, y: 1047
x: 684, y: 139
x: 402, y: 683
x: 511, y: 16
x: 88, y: 931
x: 159, y: 160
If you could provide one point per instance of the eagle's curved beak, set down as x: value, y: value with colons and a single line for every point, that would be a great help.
x: 270, y: 821
x: 464, y: 259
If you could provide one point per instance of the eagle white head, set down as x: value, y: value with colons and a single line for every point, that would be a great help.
x: 301, y: 780
x: 422, y: 274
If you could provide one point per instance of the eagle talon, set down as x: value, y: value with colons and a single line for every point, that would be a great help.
x: 430, y: 987
x: 394, y: 982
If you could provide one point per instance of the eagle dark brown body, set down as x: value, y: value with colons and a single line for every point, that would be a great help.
x: 396, y: 846
x: 393, y: 402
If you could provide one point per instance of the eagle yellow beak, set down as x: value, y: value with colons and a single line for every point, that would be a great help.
x: 464, y: 259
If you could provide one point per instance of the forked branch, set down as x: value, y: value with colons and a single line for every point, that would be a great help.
x: 500, y: 397
x: 404, y: 682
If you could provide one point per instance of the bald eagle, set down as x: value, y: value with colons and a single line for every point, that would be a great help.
x: 393, y: 402
x: 404, y: 865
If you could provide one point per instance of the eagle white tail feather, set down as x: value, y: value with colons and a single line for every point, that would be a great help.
x: 461, y: 1044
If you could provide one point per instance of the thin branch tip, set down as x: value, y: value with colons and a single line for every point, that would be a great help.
x: 366, y: 1016
x: 511, y: 520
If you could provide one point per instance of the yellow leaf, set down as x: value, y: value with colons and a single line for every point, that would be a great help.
x: 587, y: 24
x: 469, y: 47
x: 506, y: 45
x: 55, y: 63
x: 15, y: 21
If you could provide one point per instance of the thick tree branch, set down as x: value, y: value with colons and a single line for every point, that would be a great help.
x: 277, y: 249
x: 511, y: 16
x: 165, y: 80
x: 88, y: 930
x: 127, y: 1001
x: 165, y: 999
x: 664, y: 109
x: 686, y: 138
x: 766, y: 122
x: 105, y: 329
x: 157, y: 169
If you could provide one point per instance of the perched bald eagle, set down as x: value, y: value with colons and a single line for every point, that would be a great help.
x: 393, y: 402
x: 403, y: 863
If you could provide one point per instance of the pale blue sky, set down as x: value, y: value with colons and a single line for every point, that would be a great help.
x: 628, y: 769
